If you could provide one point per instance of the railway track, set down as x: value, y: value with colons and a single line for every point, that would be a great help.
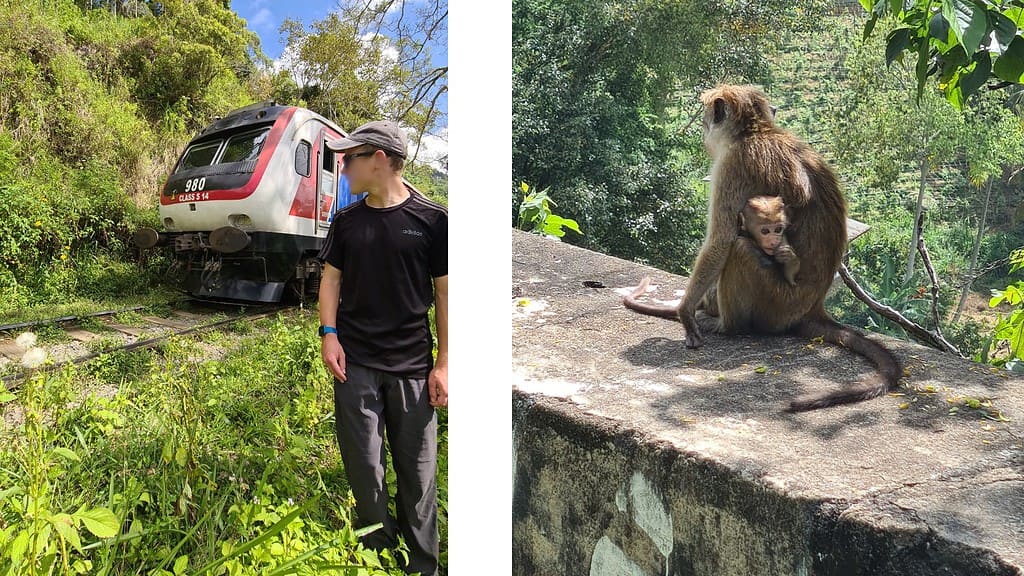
x: 89, y: 336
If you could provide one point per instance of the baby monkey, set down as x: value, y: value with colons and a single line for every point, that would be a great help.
x: 764, y: 220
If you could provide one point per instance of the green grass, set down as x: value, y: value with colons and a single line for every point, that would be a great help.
x: 80, y: 306
x: 163, y: 462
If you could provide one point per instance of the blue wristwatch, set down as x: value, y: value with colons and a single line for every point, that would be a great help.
x: 325, y: 330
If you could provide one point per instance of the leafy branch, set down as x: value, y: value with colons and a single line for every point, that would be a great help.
x: 966, y: 43
x: 1010, y: 329
x: 922, y: 334
x: 535, y: 215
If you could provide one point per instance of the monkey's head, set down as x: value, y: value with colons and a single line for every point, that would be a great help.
x: 732, y: 112
x: 765, y: 220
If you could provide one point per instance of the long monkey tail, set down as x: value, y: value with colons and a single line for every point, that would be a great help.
x: 630, y: 302
x: 889, y: 369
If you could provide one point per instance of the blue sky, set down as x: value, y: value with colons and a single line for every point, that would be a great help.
x: 265, y: 16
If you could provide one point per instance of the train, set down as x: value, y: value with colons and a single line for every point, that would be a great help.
x: 247, y: 206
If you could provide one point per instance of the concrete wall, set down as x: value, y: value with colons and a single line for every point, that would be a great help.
x: 633, y: 455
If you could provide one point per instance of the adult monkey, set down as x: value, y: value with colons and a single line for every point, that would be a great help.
x: 751, y: 156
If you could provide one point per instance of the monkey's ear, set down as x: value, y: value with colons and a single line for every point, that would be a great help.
x: 719, y: 108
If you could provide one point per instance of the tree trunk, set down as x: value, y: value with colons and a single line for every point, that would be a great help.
x: 917, y: 221
x: 974, y: 254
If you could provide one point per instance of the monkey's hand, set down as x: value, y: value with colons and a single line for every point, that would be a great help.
x: 789, y: 262
x: 785, y: 254
x: 694, y: 338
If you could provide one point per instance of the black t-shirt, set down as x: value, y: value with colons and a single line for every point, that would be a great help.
x: 388, y: 258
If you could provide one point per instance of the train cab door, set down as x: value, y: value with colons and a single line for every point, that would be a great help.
x: 326, y: 190
x: 344, y: 193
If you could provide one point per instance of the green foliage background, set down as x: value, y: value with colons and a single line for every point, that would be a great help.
x: 603, y: 105
x: 606, y: 119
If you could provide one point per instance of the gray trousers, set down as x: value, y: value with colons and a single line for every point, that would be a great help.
x: 367, y: 405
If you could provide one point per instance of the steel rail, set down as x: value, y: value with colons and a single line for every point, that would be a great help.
x: 64, y: 319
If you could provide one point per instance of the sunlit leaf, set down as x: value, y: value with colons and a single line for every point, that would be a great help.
x: 954, y: 95
x: 19, y: 546
x: 66, y: 526
x: 100, y: 521
x: 968, y: 21
x: 66, y: 454
x: 1013, y: 295
x: 180, y: 565
x: 997, y: 298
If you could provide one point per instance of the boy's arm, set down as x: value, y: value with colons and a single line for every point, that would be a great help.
x: 438, y: 381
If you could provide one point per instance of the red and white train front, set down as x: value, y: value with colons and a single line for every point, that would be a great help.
x: 248, y: 205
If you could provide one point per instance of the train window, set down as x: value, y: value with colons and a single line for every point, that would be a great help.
x: 328, y: 163
x: 302, y: 158
x: 199, y: 155
x: 244, y: 147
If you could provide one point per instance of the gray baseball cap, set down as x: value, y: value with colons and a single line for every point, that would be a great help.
x: 383, y: 134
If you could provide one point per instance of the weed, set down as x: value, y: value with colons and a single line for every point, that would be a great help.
x: 185, y: 464
x: 105, y: 343
x: 130, y: 318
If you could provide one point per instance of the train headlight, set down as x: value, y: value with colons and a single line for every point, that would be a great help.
x: 241, y: 221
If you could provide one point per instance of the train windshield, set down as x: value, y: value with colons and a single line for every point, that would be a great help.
x: 200, y: 155
x: 242, y: 147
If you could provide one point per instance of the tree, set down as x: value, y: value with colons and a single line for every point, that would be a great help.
x: 329, y: 64
x: 605, y: 114
x: 995, y: 139
x: 369, y: 61
x: 416, y: 84
x: 882, y: 131
x: 188, y: 62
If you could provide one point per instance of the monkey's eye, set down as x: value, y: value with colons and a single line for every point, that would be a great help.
x: 765, y: 231
x: 778, y: 230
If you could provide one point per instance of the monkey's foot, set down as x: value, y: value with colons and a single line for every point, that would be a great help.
x: 708, y: 322
x: 694, y: 340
